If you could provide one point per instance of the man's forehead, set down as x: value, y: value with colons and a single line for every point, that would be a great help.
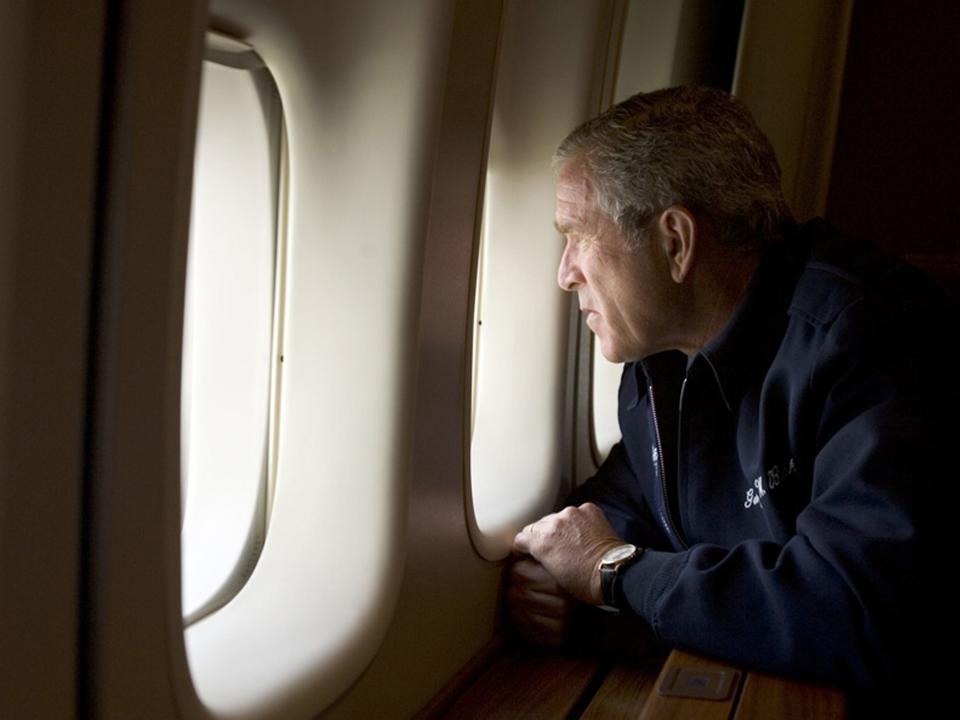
x: 574, y: 196
x: 574, y: 182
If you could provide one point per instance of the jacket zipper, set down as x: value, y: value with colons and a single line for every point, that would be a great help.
x: 665, y: 509
x: 683, y: 387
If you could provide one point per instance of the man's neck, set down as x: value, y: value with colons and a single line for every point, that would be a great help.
x: 716, y: 294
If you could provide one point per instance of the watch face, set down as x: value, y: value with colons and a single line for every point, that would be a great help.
x: 621, y: 552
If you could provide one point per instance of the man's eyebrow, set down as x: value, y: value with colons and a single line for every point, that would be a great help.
x: 563, y: 228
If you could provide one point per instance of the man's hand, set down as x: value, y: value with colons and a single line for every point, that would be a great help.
x: 569, y: 545
x: 540, y: 610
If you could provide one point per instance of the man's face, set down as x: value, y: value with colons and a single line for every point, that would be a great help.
x: 625, y: 294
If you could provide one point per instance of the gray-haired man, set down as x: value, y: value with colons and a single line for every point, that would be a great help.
x: 776, y: 499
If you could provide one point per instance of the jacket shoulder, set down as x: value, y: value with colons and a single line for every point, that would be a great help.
x: 841, y: 273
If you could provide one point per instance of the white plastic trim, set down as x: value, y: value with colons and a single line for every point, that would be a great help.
x: 606, y: 383
x: 515, y: 452
x: 227, y: 338
x: 356, y: 96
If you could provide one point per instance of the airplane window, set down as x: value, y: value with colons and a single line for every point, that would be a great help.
x: 361, y: 97
x: 230, y: 324
x: 517, y: 380
x: 521, y: 317
x: 663, y: 44
x: 606, y: 385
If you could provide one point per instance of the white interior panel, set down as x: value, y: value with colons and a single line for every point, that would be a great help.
x: 353, y: 79
x: 648, y: 46
x: 790, y: 73
x: 606, y: 384
x: 226, y: 344
x: 543, y: 90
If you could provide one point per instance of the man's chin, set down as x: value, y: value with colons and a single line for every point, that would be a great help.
x: 613, y: 352
x: 612, y: 355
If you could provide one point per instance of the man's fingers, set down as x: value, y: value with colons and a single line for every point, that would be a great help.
x: 529, y: 572
x: 538, y: 629
x: 521, y: 543
x: 539, y: 609
x: 569, y: 545
x: 523, y: 540
x: 547, y: 604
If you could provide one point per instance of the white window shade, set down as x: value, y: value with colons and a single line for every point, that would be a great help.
x: 227, y: 337
x: 522, y: 319
x: 606, y: 385
x: 359, y: 97
x: 518, y: 372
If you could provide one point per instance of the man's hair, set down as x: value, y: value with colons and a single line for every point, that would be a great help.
x: 690, y: 146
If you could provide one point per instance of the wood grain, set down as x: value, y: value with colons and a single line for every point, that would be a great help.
x: 522, y: 682
x: 444, y: 699
x: 527, y: 683
x: 625, y: 689
x: 766, y: 696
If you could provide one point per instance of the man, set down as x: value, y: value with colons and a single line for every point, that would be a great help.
x: 785, y: 427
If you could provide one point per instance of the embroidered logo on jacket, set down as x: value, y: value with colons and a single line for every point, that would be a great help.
x: 768, y: 481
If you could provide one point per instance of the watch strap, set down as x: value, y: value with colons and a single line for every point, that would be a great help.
x: 611, y: 581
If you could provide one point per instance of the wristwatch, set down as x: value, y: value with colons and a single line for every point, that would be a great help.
x: 612, y: 565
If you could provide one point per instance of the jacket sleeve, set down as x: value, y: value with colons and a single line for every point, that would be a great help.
x: 614, y: 490
x: 853, y: 597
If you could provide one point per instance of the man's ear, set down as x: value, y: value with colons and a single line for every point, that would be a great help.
x: 680, y: 237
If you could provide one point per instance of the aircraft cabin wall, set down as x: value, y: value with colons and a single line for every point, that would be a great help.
x: 50, y: 84
x: 423, y: 389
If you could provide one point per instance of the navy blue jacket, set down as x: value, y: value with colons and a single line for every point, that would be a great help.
x: 790, y: 481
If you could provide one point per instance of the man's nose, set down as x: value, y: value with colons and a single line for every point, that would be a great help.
x: 569, y: 277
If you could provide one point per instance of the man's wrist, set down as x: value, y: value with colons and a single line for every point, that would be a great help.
x: 596, y: 580
x: 611, y: 568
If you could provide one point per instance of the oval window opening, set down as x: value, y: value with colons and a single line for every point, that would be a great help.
x: 231, y: 321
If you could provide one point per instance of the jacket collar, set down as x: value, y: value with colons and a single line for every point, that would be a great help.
x: 745, y: 347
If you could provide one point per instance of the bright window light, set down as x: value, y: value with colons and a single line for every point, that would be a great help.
x: 228, y: 361
x: 606, y: 384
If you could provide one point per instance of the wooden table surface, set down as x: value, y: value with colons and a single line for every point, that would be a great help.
x: 522, y: 682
